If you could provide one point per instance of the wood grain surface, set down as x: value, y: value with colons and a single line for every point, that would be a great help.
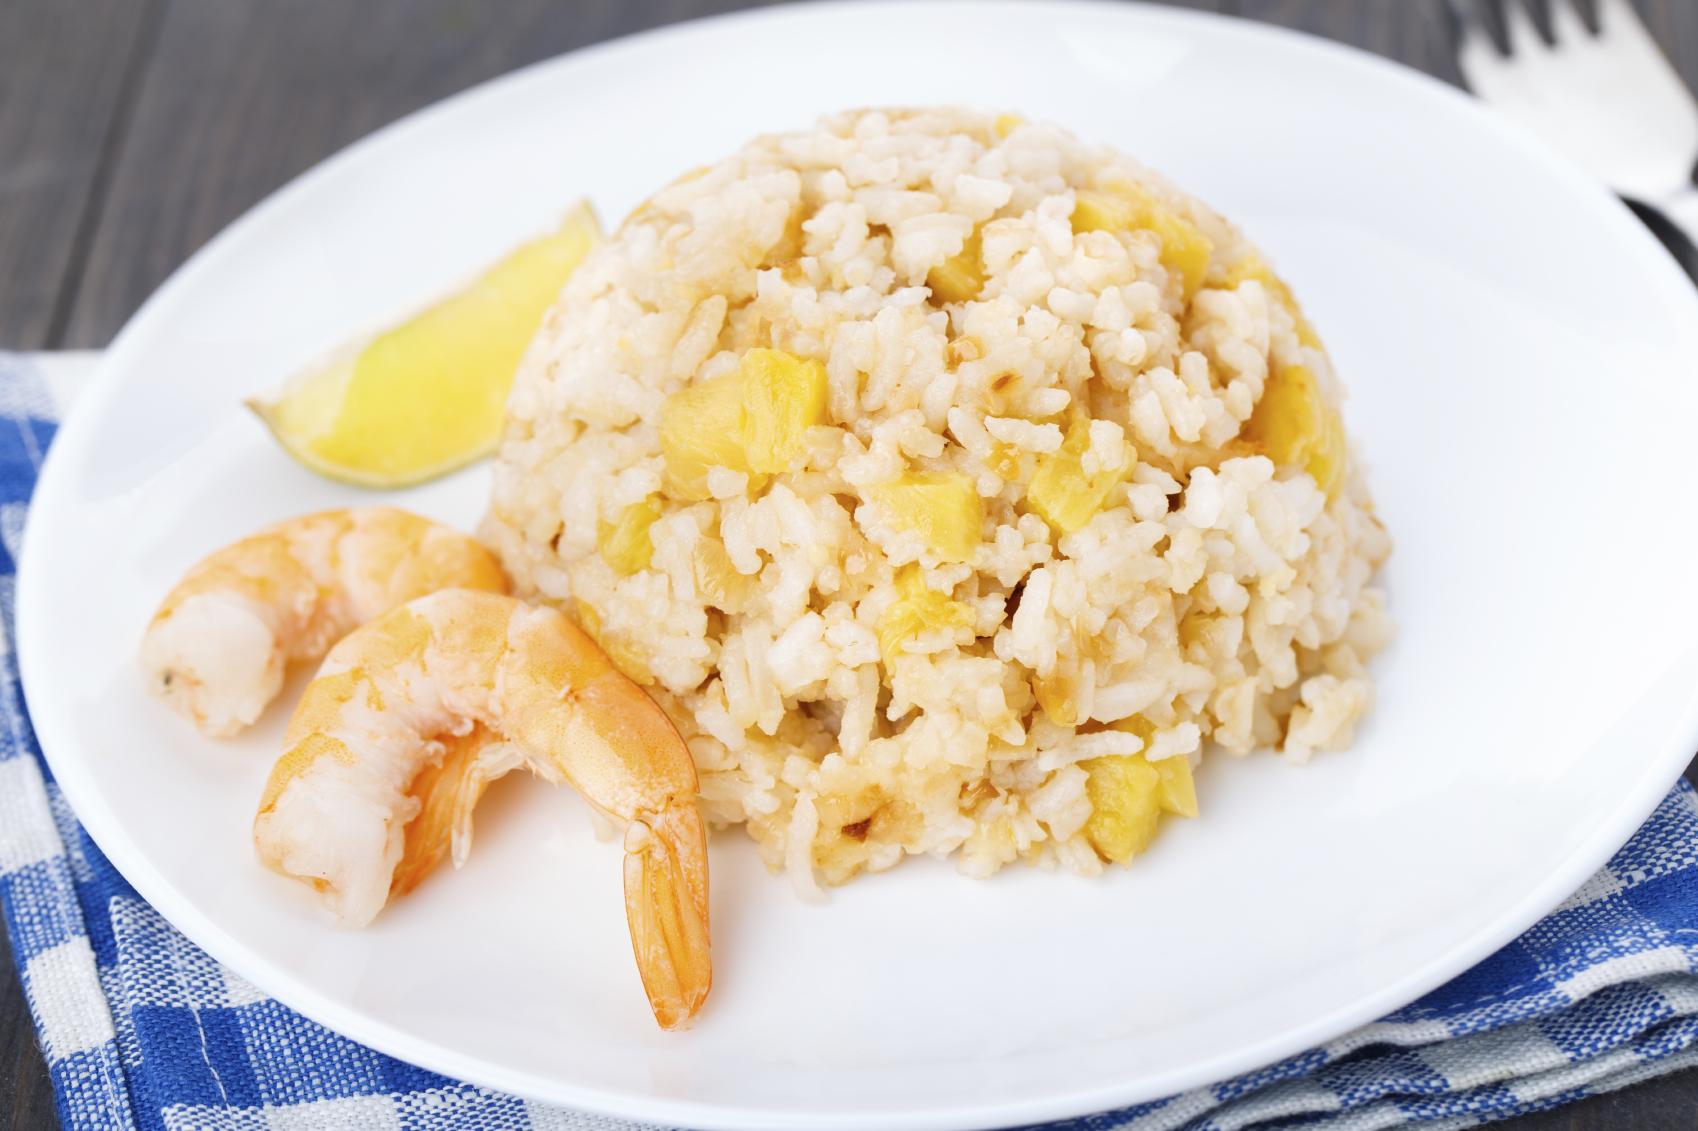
x: 132, y: 131
x: 64, y: 75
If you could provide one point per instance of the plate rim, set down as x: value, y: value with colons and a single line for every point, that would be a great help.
x: 105, y: 828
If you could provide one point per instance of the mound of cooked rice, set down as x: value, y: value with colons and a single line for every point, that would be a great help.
x: 949, y: 482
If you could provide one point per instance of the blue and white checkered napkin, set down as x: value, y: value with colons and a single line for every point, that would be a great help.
x: 143, y: 1030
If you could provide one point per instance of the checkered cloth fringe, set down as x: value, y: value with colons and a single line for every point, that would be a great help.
x: 143, y: 1030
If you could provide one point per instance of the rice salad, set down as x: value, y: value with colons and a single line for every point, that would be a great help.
x: 952, y: 484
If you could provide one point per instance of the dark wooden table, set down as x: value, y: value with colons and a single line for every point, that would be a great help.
x: 131, y: 131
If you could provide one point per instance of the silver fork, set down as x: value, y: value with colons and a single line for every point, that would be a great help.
x: 1609, y: 99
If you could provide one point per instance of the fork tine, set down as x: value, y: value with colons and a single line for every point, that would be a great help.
x: 1523, y: 34
x: 1490, y: 15
x: 1472, y: 21
x: 1540, y: 11
x: 1477, y: 49
x: 1568, y: 25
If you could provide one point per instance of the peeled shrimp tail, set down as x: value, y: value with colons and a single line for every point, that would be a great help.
x: 412, y: 713
x: 617, y: 747
x: 217, y: 648
x: 667, y: 910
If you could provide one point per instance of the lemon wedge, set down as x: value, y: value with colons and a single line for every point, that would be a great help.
x: 426, y: 397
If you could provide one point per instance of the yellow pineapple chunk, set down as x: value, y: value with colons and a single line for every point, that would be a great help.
x: 626, y: 658
x: 1326, y: 457
x: 1124, y: 804
x: 1182, y: 246
x: 750, y: 420
x: 1295, y: 428
x: 1132, y: 207
x: 782, y: 396
x: 1128, y: 796
x: 1138, y: 725
x: 941, y: 506
x: 588, y: 619
x: 1252, y: 267
x: 1103, y: 212
x: 1289, y: 417
x: 701, y: 428
x: 716, y: 578
x: 1178, y: 792
x: 917, y: 607
x: 960, y: 277
x: 625, y: 544
x: 1061, y: 493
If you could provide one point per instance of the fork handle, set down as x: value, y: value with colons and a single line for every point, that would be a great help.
x: 1675, y: 236
x: 1682, y: 208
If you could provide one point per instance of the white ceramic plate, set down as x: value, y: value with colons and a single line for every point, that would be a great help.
x: 1524, y: 364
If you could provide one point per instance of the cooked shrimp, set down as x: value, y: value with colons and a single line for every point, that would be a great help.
x: 218, y: 645
x: 411, y: 715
